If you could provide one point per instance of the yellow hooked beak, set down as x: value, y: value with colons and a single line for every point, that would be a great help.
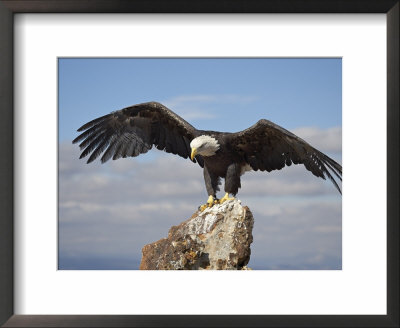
x: 194, y: 153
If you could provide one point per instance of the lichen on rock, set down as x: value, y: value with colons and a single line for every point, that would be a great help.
x: 218, y: 238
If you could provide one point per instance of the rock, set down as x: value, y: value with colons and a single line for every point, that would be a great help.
x: 218, y: 238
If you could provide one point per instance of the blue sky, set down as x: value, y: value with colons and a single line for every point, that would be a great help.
x: 95, y: 201
x: 290, y: 92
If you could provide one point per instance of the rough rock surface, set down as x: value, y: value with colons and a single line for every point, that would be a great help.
x: 218, y: 238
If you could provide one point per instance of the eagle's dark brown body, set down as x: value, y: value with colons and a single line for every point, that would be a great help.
x: 224, y: 164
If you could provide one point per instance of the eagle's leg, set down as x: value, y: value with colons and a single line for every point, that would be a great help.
x: 232, y: 182
x: 212, y: 182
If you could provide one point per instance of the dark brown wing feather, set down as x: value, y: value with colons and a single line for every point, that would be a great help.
x: 267, y: 146
x: 134, y: 130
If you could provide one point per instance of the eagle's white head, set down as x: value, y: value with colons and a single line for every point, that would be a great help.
x: 204, y: 146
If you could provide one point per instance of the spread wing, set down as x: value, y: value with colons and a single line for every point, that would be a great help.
x: 133, y: 131
x: 267, y: 146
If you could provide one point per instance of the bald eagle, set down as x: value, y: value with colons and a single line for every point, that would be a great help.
x: 264, y: 146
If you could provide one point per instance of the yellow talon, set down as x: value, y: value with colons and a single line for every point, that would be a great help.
x: 225, y: 198
x: 210, y: 202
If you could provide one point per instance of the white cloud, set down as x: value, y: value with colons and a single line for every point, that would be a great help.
x: 325, y: 140
x: 215, y: 99
x: 290, y: 181
x: 193, y: 107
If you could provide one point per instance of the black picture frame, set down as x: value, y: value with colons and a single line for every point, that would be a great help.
x: 10, y: 7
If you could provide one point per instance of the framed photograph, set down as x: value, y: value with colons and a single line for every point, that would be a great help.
x: 70, y: 245
x: 115, y: 208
